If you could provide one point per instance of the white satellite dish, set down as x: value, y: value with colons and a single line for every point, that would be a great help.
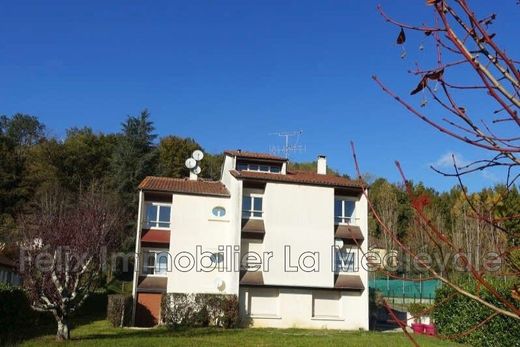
x: 190, y: 163
x: 197, y: 155
x: 196, y: 170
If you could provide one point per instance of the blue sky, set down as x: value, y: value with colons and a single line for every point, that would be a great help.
x: 229, y: 73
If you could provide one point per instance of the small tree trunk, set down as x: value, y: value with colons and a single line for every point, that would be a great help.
x: 63, y: 332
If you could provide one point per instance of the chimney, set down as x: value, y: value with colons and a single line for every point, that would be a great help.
x: 322, y: 165
x: 193, y: 176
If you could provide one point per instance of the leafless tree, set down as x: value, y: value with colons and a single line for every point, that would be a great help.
x: 465, y: 62
x: 64, y: 249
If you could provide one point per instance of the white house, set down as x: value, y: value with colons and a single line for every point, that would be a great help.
x: 289, y: 244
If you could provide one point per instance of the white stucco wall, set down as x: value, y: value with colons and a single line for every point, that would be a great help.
x: 295, y: 308
x: 194, y: 225
x: 302, y: 218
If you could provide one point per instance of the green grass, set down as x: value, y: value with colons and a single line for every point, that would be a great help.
x: 100, y: 333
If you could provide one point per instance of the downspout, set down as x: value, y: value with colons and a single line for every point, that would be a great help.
x: 137, y: 255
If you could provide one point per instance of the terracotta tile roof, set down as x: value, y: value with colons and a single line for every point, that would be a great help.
x: 300, y: 177
x: 253, y: 155
x: 184, y: 186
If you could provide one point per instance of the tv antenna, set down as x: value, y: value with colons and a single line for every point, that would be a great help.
x: 288, y: 147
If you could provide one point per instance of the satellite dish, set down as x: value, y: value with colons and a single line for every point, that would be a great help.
x: 190, y: 163
x: 197, y: 155
x: 197, y: 170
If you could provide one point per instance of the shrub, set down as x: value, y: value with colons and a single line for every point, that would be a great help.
x: 461, y: 313
x: 16, y: 314
x: 200, y: 310
x: 119, y: 310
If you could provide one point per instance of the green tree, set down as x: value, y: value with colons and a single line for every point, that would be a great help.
x: 23, y: 129
x: 173, y: 152
x: 86, y: 157
x: 134, y: 157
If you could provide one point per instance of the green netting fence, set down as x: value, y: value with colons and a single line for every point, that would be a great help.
x: 406, y: 290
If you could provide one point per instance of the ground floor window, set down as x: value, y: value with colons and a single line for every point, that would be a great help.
x: 263, y: 302
x: 326, y: 304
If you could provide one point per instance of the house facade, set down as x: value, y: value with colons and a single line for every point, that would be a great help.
x: 290, y: 245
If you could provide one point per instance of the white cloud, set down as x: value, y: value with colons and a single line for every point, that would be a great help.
x: 446, y: 160
x: 445, y: 163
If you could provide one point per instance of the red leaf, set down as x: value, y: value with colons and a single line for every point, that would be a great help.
x: 420, y: 86
x: 401, y: 38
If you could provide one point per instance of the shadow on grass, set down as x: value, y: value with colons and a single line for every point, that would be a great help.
x: 159, y: 332
x: 44, y: 324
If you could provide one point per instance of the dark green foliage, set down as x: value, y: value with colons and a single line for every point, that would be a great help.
x: 310, y: 166
x: 200, y: 310
x: 119, y: 310
x: 12, y: 192
x: 86, y: 157
x: 173, y: 152
x: 134, y: 157
x: 16, y: 315
x: 23, y: 129
x: 461, y: 313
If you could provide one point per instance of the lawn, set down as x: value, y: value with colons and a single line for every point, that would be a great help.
x: 100, y: 333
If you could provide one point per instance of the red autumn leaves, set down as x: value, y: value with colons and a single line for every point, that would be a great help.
x: 432, y: 75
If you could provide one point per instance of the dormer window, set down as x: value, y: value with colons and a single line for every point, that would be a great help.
x: 259, y: 167
x: 344, y: 210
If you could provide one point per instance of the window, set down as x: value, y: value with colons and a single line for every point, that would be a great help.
x: 217, y: 258
x: 157, y: 215
x: 155, y: 262
x: 218, y: 211
x: 326, y: 304
x: 263, y: 302
x: 344, y: 211
x: 346, y: 259
x: 252, y: 206
x: 259, y: 167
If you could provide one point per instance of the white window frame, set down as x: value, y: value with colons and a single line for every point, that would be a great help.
x: 250, y: 213
x: 155, y: 267
x: 269, y: 170
x: 353, y: 253
x: 157, y: 221
x: 345, y: 220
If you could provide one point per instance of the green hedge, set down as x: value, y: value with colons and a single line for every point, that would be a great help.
x: 16, y: 314
x: 460, y: 313
x: 119, y: 310
x: 200, y: 310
